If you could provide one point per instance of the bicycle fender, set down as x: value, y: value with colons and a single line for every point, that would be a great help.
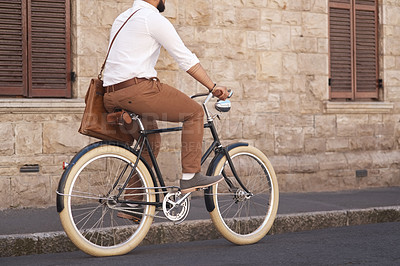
x: 213, y: 164
x: 63, y: 180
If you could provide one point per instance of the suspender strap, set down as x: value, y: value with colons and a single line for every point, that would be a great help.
x: 112, y: 42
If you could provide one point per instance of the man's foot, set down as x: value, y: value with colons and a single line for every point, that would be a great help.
x: 199, y: 181
x: 133, y: 212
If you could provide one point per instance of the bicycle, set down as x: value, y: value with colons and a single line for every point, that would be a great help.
x: 93, y: 190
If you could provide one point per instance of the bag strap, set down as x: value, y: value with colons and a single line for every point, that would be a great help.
x: 100, y: 76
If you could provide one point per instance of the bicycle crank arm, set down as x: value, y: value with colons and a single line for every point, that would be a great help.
x: 179, y: 202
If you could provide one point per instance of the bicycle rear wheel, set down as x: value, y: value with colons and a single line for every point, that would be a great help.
x: 91, y: 216
x: 245, y: 217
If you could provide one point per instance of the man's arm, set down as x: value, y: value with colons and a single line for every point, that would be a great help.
x: 164, y: 32
x: 198, y: 73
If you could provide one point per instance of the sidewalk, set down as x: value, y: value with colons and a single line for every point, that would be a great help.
x: 21, y: 231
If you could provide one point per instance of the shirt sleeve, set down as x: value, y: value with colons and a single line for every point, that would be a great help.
x: 164, y: 33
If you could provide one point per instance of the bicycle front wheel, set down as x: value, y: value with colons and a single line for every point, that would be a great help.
x: 93, y: 216
x: 245, y: 208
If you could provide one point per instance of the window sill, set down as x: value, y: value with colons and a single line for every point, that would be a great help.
x: 357, y: 107
x: 28, y: 106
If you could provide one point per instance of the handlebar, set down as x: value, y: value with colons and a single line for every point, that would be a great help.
x: 207, y: 94
x: 222, y: 106
x: 199, y: 95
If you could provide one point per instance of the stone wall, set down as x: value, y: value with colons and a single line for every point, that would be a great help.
x: 273, y: 53
x: 42, y: 132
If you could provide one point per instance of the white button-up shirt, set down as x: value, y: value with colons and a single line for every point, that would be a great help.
x: 137, y: 47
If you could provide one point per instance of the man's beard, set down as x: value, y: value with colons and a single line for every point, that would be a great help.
x: 161, y: 6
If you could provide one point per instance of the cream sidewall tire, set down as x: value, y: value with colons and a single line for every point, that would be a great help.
x: 68, y: 224
x: 260, y: 232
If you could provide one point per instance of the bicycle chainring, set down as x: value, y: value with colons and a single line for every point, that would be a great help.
x: 173, y: 211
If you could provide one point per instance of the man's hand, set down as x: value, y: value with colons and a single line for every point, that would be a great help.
x: 221, y: 92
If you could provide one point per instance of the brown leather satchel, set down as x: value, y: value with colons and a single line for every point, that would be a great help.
x: 94, y: 120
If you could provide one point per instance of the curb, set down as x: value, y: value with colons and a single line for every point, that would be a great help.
x: 162, y: 233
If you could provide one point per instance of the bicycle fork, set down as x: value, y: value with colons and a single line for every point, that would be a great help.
x: 229, y: 182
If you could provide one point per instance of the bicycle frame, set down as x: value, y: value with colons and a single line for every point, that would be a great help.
x: 158, y: 181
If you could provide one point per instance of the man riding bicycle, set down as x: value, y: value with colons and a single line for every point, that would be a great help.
x: 131, y: 84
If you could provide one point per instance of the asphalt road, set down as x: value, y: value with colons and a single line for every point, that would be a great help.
x: 374, y: 244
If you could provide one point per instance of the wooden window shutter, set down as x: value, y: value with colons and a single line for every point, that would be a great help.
x: 366, y: 47
x: 49, y: 48
x: 340, y: 47
x: 353, y: 33
x: 13, y: 73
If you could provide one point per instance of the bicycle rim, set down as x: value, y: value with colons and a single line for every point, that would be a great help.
x: 92, y: 217
x: 241, y: 217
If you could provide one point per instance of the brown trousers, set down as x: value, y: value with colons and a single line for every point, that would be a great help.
x: 153, y: 100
